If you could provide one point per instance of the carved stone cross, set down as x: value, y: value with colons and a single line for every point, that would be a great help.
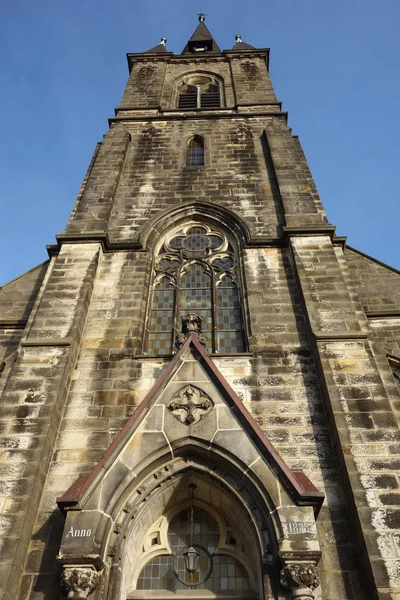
x: 190, y: 405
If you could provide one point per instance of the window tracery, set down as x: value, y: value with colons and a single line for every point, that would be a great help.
x: 196, y: 271
x: 217, y: 572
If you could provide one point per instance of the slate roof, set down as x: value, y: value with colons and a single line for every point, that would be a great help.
x: 242, y: 46
x: 160, y: 48
x: 201, y: 34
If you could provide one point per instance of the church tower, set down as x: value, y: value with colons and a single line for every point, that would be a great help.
x: 200, y: 387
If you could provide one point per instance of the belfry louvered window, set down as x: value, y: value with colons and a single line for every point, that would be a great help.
x: 195, y: 152
x: 196, y: 271
x: 199, y: 91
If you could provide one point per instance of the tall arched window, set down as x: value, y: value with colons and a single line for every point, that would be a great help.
x: 199, y: 91
x: 196, y: 271
x: 195, y: 152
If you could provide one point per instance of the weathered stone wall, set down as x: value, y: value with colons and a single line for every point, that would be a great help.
x: 251, y: 81
x: 378, y: 286
x: 93, y: 206
x: 18, y: 296
x: 145, y: 84
x: 156, y: 177
x: 153, y: 79
x: 363, y: 420
x: 140, y: 171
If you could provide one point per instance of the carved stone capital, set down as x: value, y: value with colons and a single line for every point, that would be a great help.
x: 77, y: 583
x: 301, y: 579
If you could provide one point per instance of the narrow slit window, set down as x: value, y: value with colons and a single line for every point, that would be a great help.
x: 195, y: 152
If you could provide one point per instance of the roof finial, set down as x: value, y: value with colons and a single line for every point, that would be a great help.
x: 202, y: 17
x: 163, y: 41
x: 238, y: 37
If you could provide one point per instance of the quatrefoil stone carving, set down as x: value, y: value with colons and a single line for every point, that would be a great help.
x: 190, y: 405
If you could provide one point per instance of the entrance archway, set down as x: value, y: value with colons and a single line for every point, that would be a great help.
x: 233, y: 532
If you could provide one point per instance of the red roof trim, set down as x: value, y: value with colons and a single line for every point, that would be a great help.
x: 297, y: 482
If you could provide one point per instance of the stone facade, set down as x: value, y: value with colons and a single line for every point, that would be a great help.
x: 80, y: 392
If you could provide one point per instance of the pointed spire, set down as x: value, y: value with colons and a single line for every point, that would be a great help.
x: 240, y: 45
x: 201, y: 40
x: 161, y: 47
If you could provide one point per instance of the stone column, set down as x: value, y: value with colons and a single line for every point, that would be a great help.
x: 78, y: 582
x: 301, y: 579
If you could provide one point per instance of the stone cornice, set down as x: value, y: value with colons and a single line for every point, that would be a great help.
x: 13, y: 323
x: 200, y: 113
x: 155, y: 108
x: 256, y: 242
x: 332, y: 336
x: 133, y: 57
x: 310, y: 230
x: 109, y: 246
x: 36, y: 342
x: 383, y: 314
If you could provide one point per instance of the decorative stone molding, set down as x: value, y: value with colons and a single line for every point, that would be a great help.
x: 301, y: 579
x: 79, y: 582
x: 190, y: 405
x: 191, y: 323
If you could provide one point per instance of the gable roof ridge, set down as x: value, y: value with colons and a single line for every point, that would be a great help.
x: 295, y: 481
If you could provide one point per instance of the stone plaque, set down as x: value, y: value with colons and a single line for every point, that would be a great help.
x: 79, y: 533
x: 300, y: 527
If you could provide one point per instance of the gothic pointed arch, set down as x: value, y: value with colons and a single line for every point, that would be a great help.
x: 200, y: 210
x: 196, y: 270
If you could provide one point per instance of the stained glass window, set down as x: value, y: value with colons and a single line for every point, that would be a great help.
x: 229, y: 316
x: 196, y: 272
x: 161, y: 319
x: 221, y: 572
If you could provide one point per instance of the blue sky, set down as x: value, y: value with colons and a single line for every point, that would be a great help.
x: 334, y: 65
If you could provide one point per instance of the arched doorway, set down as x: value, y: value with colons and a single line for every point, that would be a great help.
x: 213, y: 513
